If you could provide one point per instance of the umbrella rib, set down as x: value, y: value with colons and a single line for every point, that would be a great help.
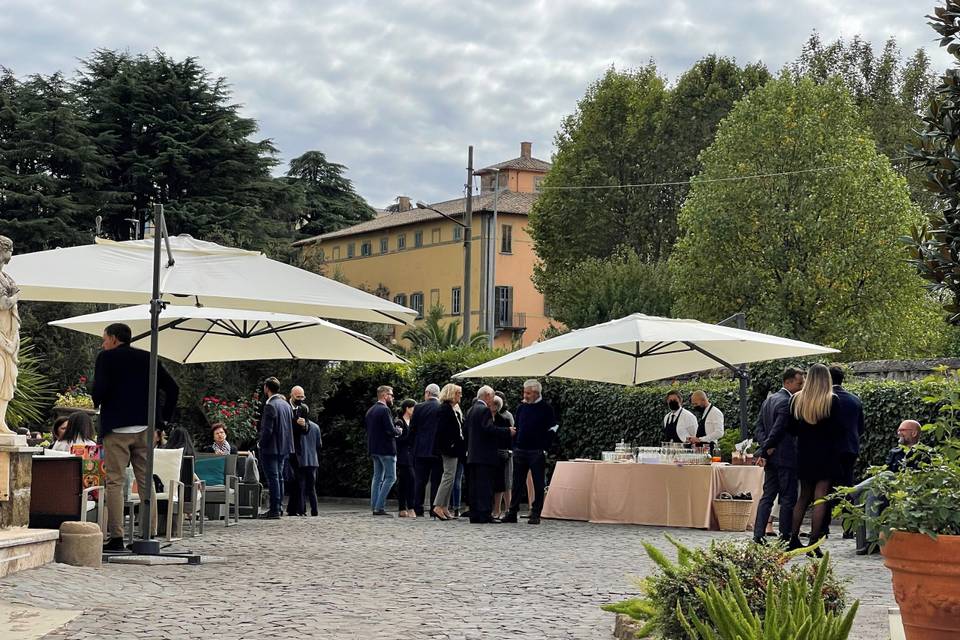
x: 197, y: 343
x: 711, y: 356
x: 578, y: 353
x: 394, y: 318
x: 280, y: 338
x: 615, y: 350
x: 373, y: 343
x: 170, y: 325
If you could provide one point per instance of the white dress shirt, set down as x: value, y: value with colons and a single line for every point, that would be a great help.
x: 713, y: 424
x: 686, y: 425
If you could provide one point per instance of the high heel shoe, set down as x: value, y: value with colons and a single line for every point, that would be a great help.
x: 438, y: 516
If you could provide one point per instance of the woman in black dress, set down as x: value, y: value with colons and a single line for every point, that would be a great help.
x: 818, y: 459
x: 405, y: 481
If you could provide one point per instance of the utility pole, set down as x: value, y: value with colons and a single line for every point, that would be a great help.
x: 467, y: 241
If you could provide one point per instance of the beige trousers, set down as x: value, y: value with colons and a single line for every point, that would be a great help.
x: 119, y: 450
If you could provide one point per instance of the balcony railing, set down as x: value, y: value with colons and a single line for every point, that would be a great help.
x: 511, y: 321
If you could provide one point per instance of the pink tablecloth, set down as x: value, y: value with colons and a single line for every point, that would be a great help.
x: 652, y: 494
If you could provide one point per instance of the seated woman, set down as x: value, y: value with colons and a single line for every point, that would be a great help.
x: 59, y: 428
x: 79, y: 431
x: 180, y: 439
x: 220, y: 445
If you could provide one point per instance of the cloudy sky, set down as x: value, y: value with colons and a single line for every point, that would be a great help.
x: 396, y: 90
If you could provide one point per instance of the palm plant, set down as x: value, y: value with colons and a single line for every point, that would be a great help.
x: 433, y: 335
x: 33, y: 392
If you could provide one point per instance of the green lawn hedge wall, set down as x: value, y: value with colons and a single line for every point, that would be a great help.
x: 593, y: 416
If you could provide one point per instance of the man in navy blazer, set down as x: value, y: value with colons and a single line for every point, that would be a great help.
x: 849, y: 416
x: 427, y: 465
x: 276, y: 442
x: 382, y: 447
x: 778, y: 456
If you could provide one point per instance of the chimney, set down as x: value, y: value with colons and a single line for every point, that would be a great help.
x: 525, y: 149
x: 403, y: 203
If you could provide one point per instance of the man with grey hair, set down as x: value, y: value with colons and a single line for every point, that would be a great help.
x: 484, y: 437
x: 536, y: 427
x: 427, y: 465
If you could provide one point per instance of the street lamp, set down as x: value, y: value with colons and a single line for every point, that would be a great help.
x: 465, y: 300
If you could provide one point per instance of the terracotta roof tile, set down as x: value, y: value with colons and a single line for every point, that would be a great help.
x: 524, y: 164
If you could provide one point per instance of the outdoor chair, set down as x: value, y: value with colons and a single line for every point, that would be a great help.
x: 194, y: 495
x: 57, y: 493
x: 219, y: 474
x: 166, y: 467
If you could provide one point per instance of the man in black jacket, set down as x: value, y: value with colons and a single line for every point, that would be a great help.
x: 536, y: 428
x: 778, y: 456
x: 120, y: 389
x: 427, y: 465
x: 850, y: 417
x: 483, y: 461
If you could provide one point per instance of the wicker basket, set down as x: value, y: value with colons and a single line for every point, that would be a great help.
x: 732, y: 515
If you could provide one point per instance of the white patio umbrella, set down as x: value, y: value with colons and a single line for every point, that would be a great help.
x: 641, y: 348
x: 202, y: 273
x: 204, y: 334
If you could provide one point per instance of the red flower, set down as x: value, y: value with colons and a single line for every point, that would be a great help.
x: 83, y: 379
x: 233, y: 404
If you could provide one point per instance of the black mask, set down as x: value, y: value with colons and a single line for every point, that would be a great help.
x: 297, y: 402
x: 674, y: 405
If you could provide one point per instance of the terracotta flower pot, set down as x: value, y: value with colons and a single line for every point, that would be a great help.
x: 926, y: 583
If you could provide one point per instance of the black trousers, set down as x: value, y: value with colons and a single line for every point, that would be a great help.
x: 426, y: 470
x: 534, y: 462
x: 480, y: 479
x: 777, y: 482
x: 406, y: 487
x: 295, y: 505
x: 307, y: 477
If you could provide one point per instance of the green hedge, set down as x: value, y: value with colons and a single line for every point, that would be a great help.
x: 593, y: 416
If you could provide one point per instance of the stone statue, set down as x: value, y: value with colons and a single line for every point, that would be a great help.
x: 9, y: 333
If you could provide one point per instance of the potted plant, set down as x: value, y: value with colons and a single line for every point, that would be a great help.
x: 918, y: 525
x: 74, y: 398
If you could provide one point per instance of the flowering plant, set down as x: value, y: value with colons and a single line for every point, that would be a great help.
x: 75, y: 396
x: 239, y: 417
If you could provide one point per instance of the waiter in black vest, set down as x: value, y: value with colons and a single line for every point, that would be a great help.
x: 710, y: 422
x: 679, y: 422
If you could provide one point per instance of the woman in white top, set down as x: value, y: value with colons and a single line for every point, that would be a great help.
x: 79, y: 432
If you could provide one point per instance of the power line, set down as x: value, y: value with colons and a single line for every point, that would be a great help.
x: 703, y: 180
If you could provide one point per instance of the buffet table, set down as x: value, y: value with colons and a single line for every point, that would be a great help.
x: 652, y: 494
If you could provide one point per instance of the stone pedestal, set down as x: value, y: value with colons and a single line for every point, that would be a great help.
x: 20, y: 547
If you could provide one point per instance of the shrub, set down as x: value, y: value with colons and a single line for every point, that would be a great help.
x: 674, y: 588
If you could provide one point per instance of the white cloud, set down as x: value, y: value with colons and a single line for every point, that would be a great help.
x: 397, y: 90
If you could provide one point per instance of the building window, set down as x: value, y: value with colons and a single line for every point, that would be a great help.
x: 366, y: 248
x: 351, y: 249
x: 416, y: 303
x: 418, y: 239
x: 455, y: 301
x: 538, y: 183
x: 504, y: 306
x: 336, y: 253
x: 434, y: 298
x: 321, y: 254
x: 384, y: 245
x: 457, y: 232
x: 435, y: 236
x: 400, y: 299
x: 503, y: 180
x: 506, y: 239
x: 401, y: 242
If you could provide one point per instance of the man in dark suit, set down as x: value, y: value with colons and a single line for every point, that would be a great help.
x: 427, y: 466
x: 484, y: 438
x: 121, y: 383
x: 276, y: 442
x: 849, y: 417
x: 778, y: 456
x: 382, y: 447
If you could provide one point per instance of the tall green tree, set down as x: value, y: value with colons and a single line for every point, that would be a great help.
x: 814, y: 254
x: 628, y: 129
x: 176, y: 139
x: 51, y: 169
x: 891, y: 92
x: 329, y: 199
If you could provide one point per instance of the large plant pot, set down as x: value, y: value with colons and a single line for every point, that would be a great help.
x: 926, y: 583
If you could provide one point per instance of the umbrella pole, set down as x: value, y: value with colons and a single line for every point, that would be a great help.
x: 147, y: 545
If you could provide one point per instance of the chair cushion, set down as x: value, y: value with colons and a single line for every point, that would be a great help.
x: 211, y: 470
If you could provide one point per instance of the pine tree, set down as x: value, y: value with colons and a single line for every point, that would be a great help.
x: 330, y: 202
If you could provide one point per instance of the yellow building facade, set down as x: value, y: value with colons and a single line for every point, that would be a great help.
x: 415, y: 256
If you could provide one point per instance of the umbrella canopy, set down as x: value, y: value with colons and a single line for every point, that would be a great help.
x: 641, y: 348
x: 203, y: 273
x: 204, y: 334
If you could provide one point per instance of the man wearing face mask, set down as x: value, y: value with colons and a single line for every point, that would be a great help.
x: 299, y: 426
x: 709, y: 424
x: 679, y: 422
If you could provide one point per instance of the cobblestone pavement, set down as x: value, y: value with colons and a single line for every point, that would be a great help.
x: 347, y: 575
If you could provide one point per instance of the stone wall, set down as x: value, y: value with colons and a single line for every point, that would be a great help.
x: 900, y: 370
x: 15, y: 512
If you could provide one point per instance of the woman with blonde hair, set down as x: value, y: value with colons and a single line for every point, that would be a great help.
x: 812, y: 421
x: 449, y: 446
